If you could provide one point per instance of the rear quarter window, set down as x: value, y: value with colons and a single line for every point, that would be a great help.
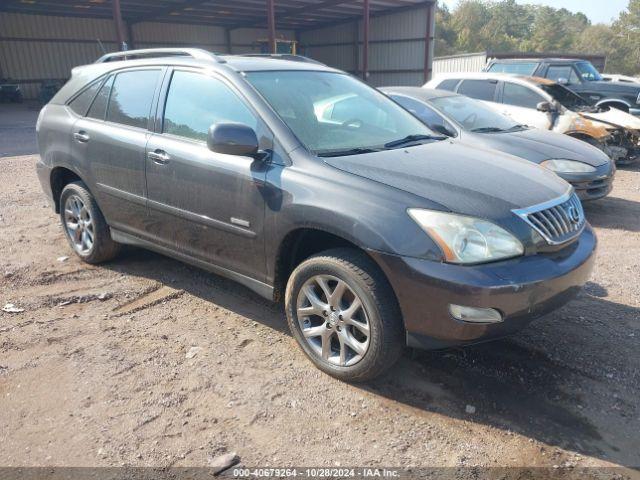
x: 449, y: 84
x: 81, y: 103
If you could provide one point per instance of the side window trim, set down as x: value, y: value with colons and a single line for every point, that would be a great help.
x: 150, y: 120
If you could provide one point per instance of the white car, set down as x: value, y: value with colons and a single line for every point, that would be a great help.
x: 609, y: 77
x: 545, y: 104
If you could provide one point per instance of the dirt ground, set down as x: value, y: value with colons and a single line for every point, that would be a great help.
x: 100, y: 367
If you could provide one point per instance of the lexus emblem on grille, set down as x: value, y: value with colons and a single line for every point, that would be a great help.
x: 574, y: 215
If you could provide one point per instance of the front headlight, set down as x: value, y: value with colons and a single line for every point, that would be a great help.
x: 568, y: 166
x: 467, y: 239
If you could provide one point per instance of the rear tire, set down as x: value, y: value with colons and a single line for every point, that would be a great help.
x: 344, y: 314
x: 84, y: 225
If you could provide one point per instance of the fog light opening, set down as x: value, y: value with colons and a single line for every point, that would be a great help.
x: 475, y: 315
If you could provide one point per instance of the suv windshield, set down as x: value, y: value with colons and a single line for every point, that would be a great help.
x: 566, y: 97
x: 474, y: 116
x: 333, y: 114
x: 588, y: 72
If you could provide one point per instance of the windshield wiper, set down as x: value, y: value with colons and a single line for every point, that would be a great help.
x: 487, y: 130
x: 411, y: 139
x: 344, y: 153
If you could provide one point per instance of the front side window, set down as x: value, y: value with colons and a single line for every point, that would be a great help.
x: 520, y: 96
x: 333, y: 113
x: 473, y: 115
x: 196, y: 101
x: 588, y: 72
x: 81, y: 103
x: 557, y: 72
x: 131, y: 97
x: 479, y: 89
x: 526, y: 69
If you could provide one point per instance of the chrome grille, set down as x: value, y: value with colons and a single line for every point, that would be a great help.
x: 558, y: 221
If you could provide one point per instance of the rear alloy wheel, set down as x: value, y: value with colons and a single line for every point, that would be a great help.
x: 84, y: 225
x: 343, y: 313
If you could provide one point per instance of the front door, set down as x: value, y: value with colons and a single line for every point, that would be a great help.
x: 521, y: 104
x: 204, y: 204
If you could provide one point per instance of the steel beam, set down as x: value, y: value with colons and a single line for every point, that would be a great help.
x: 365, y: 40
x: 117, y: 19
x: 429, y: 39
x: 271, y: 25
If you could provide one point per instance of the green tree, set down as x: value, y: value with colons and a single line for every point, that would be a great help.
x: 549, y: 32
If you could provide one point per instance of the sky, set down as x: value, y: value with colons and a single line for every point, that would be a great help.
x: 598, y: 11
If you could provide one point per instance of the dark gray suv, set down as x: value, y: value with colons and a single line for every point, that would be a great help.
x: 375, y: 231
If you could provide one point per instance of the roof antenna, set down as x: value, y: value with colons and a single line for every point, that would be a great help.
x: 104, y: 52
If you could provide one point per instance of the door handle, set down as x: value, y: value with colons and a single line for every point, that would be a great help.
x: 81, y: 136
x: 159, y: 156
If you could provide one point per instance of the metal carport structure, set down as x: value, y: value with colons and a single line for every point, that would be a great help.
x: 381, y: 40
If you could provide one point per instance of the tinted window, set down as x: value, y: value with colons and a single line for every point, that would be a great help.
x: 473, y: 115
x: 81, y: 103
x: 195, y: 102
x: 520, y: 96
x: 480, y: 89
x: 588, y: 72
x: 131, y: 97
x: 99, y: 106
x: 556, y: 72
x: 425, y: 113
x: 526, y: 69
x: 450, y: 84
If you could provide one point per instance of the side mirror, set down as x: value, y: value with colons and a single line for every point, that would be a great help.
x: 563, y: 81
x: 443, y: 130
x: 232, y: 139
x: 545, y: 107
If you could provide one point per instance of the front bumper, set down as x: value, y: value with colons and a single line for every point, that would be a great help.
x: 522, y: 289
x: 591, y: 186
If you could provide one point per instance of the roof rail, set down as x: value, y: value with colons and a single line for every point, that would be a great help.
x: 282, y: 56
x: 196, y: 53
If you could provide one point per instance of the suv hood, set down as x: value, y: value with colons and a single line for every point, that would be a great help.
x: 461, y: 178
x: 540, y: 145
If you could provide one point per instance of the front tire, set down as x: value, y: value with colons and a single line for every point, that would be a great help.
x: 84, y: 225
x: 343, y: 313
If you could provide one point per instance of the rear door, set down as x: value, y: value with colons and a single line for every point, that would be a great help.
x: 111, y: 140
x: 520, y: 103
x: 207, y: 205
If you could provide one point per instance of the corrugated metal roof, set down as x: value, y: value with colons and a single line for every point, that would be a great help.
x: 293, y: 14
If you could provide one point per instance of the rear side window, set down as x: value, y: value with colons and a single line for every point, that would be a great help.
x: 527, y: 69
x: 81, y: 103
x: 195, y: 102
x: 450, y: 84
x: 99, y: 106
x: 131, y: 97
x: 556, y: 72
x: 520, y: 96
x: 479, y: 89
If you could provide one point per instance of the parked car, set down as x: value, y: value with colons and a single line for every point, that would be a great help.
x: 578, y: 75
x: 587, y: 168
x: 10, y: 93
x: 608, y: 77
x: 544, y: 104
x: 373, y: 230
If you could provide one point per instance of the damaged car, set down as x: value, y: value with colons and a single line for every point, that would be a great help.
x: 587, y: 168
x: 542, y: 103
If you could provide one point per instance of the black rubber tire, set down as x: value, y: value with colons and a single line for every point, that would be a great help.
x: 104, y: 248
x: 365, y: 278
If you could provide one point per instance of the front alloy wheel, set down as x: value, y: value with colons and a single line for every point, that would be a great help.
x: 333, y: 320
x: 344, y: 314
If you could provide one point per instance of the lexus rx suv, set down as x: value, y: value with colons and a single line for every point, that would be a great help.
x: 373, y: 230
